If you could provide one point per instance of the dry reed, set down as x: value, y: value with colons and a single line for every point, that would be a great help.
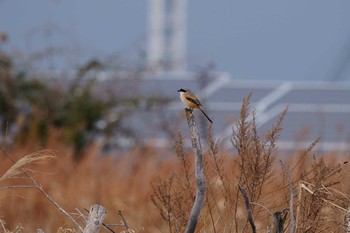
x: 156, y: 192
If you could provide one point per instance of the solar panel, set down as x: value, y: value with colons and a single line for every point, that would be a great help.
x: 316, y: 109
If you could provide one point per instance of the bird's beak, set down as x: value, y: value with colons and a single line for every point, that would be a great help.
x: 178, y: 90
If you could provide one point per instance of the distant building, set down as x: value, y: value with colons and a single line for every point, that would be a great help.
x: 167, y: 35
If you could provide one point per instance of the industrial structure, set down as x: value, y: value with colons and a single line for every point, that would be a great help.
x: 167, y: 35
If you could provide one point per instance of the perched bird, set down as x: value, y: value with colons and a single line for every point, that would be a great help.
x: 191, y: 101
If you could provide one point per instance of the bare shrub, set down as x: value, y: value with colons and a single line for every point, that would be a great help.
x: 222, y: 211
x: 320, y: 200
x: 121, y: 181
x: 256, y: 154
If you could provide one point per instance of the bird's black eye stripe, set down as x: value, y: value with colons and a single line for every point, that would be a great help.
x: 182, y: 90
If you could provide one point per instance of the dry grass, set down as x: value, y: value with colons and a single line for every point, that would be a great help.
x: 254, y: 166
x: 156, y: 192
x: 17, y: 168
x: 118, y: 184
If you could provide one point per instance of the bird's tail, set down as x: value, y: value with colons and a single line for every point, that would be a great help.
x: 206, y: 115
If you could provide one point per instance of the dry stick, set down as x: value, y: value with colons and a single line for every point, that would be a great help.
x: 18, y: 229
x: 42, y: 190
x: 249, y: 210
x: 3, y: 226
x: 95, y: 220
x: 81, y: 214
x: 17, y: 187
x: 267, y: 210
x: 298, y: 207
x: 123, y: 219
x: 103, y: 224
x: 199, y: 172
x: 323, y: 199
x: 291, y: 198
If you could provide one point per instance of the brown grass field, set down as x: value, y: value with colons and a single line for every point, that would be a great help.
x: 155, y: 189
x: 126, y: 184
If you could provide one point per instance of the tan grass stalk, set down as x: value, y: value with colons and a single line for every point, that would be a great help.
x: 17, y: 168
x: 37, y: 185
x: 309, y: 190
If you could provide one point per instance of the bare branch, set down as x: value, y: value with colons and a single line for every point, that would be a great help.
x: 291, y: 197
x: 199, y: 172
x: 123, y: 220
x: 267, y: 210
x: 249, y: 210
x: 303, y: 186
x: 3, y: 226
x: 103, y: 224
x: 95, y: 219
x: 17, y: 187
x: 81, y: 214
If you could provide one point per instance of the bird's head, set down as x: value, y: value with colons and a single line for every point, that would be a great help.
x: 182, y: 90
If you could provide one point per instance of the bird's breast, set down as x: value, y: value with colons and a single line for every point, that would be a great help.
x: 186, y: 101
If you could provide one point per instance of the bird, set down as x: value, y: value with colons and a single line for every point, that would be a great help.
x: 190, y: 100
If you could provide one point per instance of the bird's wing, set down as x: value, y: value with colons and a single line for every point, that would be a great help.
x: 194, y: 100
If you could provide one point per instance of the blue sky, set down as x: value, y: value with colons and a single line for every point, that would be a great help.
x: 265, y: 40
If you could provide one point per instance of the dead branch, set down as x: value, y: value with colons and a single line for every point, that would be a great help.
x: 81, y: 214
x: 199, y: 172
x: 103, y: 224
x: 291, y: 198
x: 2, y: 225
x: 264, y: 207
x: 17, y: 187
x: 18, y: 228
x: 96, y: 216
x: 309, y: 190
x: 249, y: 210
x: 123, y: 220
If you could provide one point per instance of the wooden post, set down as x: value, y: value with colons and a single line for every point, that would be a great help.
x: 96, y: 216
x: 199, y: 172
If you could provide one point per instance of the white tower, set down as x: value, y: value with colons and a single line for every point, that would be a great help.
x: 167, y: 35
